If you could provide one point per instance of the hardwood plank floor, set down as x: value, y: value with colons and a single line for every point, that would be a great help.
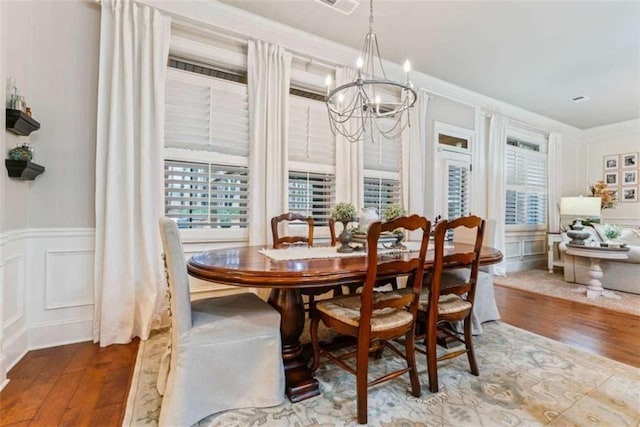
x: 73, y: 385
x: 85, y: 385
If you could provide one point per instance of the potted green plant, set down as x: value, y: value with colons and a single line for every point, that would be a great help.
x: 611, y: 232
x: 345, y: 213
x: 392, y: 212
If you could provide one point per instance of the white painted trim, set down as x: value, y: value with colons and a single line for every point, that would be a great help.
x: 25, y: 233
x: 48, y: 256
x: 21, y: 286
x: 55, y: 333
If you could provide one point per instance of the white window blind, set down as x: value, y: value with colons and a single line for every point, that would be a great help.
x: 206, y: 113
x: 458, y: 190
x: 312, y: 160
x: 205, y: 195
x: 381, y: 171
x: 379, y: 193
x: 382, y: 154
x: 310, y: 137
x: 206, y: 148
x: 312, y: 194
x: 526, y: 198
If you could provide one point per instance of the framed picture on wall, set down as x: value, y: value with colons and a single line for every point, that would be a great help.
x: 630, y: 160
x: 629, y: 194
x: 629, y: 177
x: 614, y: 194
x: 611, y: 162
x: 611, y: 179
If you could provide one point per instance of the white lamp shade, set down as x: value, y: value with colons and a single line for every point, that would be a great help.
x: 580, y: 206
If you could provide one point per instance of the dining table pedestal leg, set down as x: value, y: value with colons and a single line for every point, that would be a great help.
x: 300, y: 382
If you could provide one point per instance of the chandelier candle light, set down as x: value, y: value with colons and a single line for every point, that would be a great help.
x: 372, y: 104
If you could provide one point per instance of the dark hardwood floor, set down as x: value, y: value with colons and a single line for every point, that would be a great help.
x: 85, y: 385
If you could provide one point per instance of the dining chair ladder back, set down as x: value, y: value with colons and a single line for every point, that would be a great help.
x: 280, y: 242
x: 439, y: 306
x: 376, y: 317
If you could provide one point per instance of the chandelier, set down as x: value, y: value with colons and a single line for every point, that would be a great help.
x: 371, y: 104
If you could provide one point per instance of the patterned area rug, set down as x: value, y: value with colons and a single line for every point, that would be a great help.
x: 553, y: 284
x: 525, y: 380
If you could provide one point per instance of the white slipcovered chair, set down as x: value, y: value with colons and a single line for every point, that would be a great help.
x: 225, y: 351
x: 484, y: 308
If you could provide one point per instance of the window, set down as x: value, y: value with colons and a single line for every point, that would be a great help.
x: 312, y: 195
x: 204, y: 195
x: 381, y: 172
x: 206, y: 148
x: 379, y: 193
x: 453, y: 171
x: 526, y: 198
x: 312, y: 153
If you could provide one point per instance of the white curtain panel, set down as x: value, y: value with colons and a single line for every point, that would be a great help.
x: 268, y: 69
x: 129, y: 275
x: 414, y: 140
x: 349, y: 157
x: 496, y: 184
x: 554, y: 183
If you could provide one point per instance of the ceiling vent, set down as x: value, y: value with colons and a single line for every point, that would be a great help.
x: 581, y: 98
x: 345, y: 6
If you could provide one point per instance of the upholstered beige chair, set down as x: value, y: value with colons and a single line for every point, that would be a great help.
x: 484, y: 306
x: 376, y: 317
x: 225, y: 351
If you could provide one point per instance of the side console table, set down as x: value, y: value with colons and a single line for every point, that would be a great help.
x: 554, y: 258
x: 595, y: 254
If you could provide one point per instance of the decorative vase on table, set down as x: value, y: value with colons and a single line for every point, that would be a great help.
x: 345, y: 213
x: 345, y: 238
x: 367, y: 217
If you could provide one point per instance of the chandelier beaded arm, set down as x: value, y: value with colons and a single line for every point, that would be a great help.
x: 372, y: 104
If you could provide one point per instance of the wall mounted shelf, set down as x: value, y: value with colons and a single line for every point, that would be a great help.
x: 20, y: 123
x: 23, y: 169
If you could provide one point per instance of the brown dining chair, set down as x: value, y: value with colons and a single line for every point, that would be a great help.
x: 376, y: 317
x: 439, y: 305
x: 280, y: 241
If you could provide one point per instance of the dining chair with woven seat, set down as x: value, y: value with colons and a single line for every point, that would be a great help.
x: 440, y: 305
x: 224, y: 352
x: 283, y: 241
x: 376, y: 317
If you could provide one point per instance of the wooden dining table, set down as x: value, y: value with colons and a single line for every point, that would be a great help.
x: 247, y: 266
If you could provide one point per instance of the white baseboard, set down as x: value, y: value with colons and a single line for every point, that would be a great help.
x: 14, y: 348
x: 51, y: 334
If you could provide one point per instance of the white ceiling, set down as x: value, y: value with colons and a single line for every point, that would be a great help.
x: 536, y: 54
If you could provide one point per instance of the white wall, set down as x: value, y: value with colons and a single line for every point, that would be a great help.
x: 46, y: 225
x: 619, y: 138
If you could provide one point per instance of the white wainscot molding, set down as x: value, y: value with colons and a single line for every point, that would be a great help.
x: 525, y: 250
x: 48, y: 289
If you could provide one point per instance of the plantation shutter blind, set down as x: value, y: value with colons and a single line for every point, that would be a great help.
x: 526, y: 198
x: 312, y: 194
x: 458, y: 190
x: 310, y: 137
x: 382, y: 154
x: 206, y: 114
x: 206, y: 195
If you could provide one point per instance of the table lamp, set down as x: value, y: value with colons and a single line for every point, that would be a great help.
x: 579, y: 207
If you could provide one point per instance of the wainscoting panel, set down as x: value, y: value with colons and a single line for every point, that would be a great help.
x: 13, y: 295
x: 68, y: 278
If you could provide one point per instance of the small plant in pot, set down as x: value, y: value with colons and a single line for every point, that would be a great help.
x: 612, y: 233
x: 392, y: 212
x: 345, y: 213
